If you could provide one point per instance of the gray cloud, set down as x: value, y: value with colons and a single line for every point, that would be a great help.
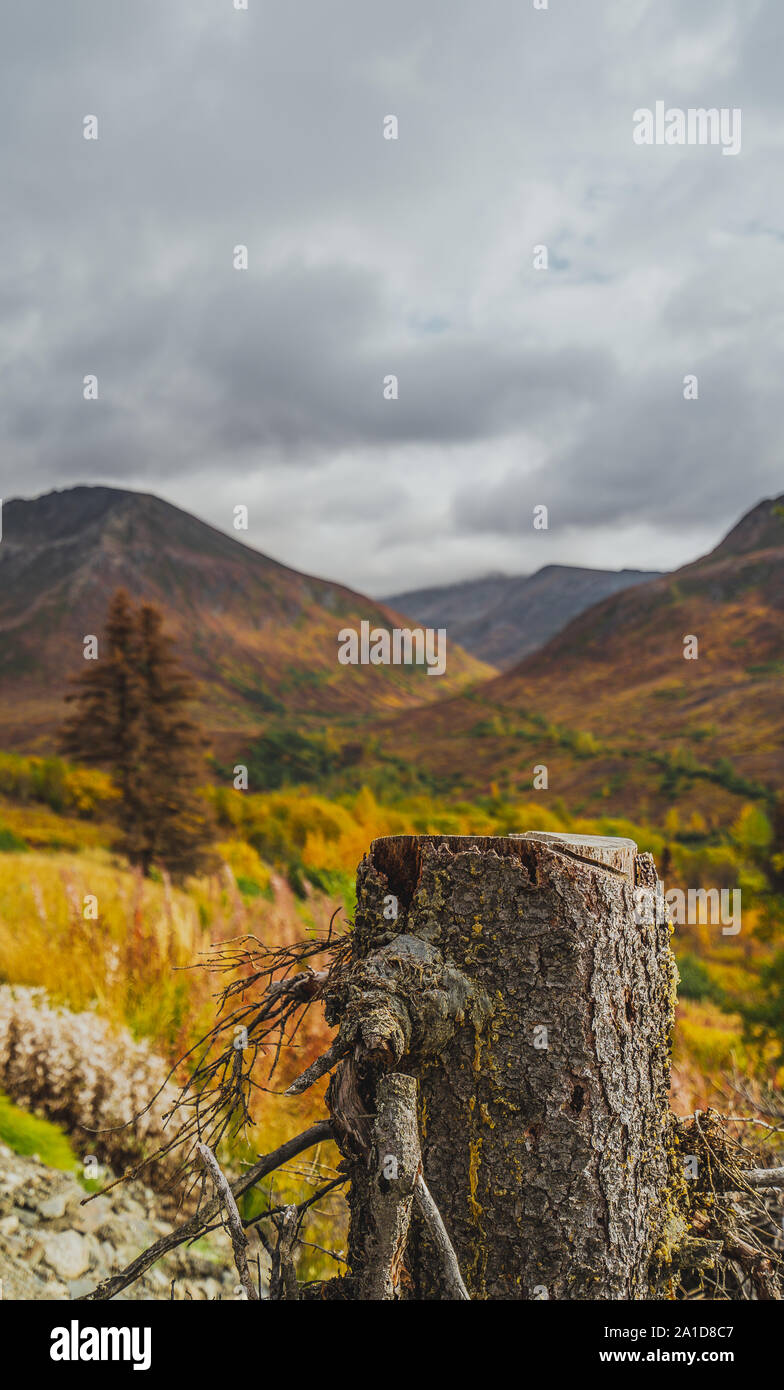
x: 414, y: 257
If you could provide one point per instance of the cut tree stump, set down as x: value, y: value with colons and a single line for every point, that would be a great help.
x: 515, y: 981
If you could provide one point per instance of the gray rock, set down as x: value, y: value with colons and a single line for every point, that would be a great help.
x: 67, y: 1254
x: 51, y: 1247
x: 54, y: 1207
x: 95, y: 1213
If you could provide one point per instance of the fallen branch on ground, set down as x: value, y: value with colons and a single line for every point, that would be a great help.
x: 193, y: 1228
x: 764, y: 1177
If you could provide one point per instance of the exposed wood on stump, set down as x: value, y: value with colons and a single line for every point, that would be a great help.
x: 516, y: 985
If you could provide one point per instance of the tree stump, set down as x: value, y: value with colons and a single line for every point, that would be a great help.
x: 518, y: 982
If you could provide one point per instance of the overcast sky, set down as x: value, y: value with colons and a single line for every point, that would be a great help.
x: 414, y: 256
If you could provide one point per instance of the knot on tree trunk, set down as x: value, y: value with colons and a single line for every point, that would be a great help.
x: 400, y: 1004
x: 404, y: 1000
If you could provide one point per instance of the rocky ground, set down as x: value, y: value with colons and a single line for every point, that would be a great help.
x: 53, y: 1248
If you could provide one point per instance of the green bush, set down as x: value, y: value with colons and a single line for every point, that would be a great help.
x: 9, y: 841
x: 695, y: 982
x: 251, y: 889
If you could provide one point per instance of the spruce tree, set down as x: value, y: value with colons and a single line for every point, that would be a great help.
x: 104, y: 729
x: 177, y: 826
x: 131, y: 718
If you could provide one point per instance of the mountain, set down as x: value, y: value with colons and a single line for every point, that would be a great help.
x: 623, y: 722
x: 260, y: 638
x: 501, y: 618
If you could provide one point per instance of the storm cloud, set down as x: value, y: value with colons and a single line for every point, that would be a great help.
x: 412, y: 257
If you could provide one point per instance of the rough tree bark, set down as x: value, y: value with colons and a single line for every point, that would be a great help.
x: 513, y: 980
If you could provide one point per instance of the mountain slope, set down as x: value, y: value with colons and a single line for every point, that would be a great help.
x: 260, y: 638
x: 500, y: 618
x: 614, y: 710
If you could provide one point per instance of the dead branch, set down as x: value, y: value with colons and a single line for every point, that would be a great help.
x: 764, y: 1177
x: 190, y: 1230
x: 725, y: 1204
x: 270, y: 1003
x: 397, y: 1184
x: 319, y: 1068
x: 438, y: 1234
x: 239, y: 1240
x: 756, y: 1265
x: 398, y: 1161
x: 283, y: 1276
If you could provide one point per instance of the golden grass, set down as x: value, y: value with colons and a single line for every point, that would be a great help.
x: 95, y: 935
x: 132, y: 963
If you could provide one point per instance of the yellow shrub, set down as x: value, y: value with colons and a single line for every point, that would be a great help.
x: 244, y: 861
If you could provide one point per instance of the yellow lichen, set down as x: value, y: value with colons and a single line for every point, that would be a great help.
x: 475, y: 1152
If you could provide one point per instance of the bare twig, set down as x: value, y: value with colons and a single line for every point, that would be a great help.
x: 239, y: 1240
x: 755, y: 1120
x: 302, y: 1206
x: 319, y: 1068
x: 259, y: 1012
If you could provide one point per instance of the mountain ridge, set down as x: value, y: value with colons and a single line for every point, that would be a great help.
x: 614, y: 709
x: 500, y: 618
x: 259, y: 636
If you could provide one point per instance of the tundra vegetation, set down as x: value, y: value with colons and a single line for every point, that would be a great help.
x: 152, y: 960
x: 230, y: 946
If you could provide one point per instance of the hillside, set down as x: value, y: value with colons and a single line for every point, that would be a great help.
x: 260, y: 638
x: 501, y: 618
x: 621, y: 719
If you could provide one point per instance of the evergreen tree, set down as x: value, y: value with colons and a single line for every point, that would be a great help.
x: 131, y: 718
x: 177, y: 826
x: 104, y: 730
